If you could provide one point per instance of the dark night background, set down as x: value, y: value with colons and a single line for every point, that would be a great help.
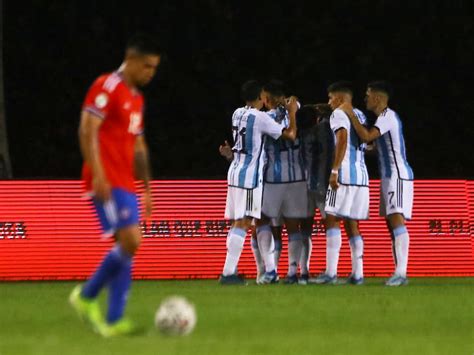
x: 53, y: 50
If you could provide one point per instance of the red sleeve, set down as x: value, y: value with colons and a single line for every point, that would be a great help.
x: 98, y: 98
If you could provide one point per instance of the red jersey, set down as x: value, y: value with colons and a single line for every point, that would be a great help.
x: 121, y: 109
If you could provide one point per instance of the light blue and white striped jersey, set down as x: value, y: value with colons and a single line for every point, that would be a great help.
x: 284, y: 158
x: 353, y: 170
x: 249, y: 129
x: 391, y: 147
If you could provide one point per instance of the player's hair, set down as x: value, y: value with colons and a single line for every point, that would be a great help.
x: 275, y: 88
x: 381, y: 86
x: 144, y: 44
x: 341, y: 86
x: 250, y: 90
x: 323, y: 110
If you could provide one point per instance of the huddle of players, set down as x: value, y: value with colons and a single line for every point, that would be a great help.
x: 281, y: 171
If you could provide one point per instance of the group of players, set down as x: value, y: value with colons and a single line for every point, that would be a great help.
x: 278, y: 171
x: 286, y: 162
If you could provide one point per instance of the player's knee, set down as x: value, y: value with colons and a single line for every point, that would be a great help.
x: 130, y: 239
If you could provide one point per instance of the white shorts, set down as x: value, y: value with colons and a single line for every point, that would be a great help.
x: 348, y: 201
x: 396, y: 196
x: 286, y: 200
x: 315, y: 202
x: 243, y: 203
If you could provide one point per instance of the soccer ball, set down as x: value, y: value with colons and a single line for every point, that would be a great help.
x: 175, y: 316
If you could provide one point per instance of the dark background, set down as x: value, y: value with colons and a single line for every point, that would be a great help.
x: 53, y: 50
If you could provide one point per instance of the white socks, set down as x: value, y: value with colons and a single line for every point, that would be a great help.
x: 402, y: 244
x: 305, y: 252
x: 266, y: 246
x: 295, y: 245
x: 235, y: 244
x: 277, y: 252
x: 357, y: 255
x: 333, y: 246
x: 258, y: 257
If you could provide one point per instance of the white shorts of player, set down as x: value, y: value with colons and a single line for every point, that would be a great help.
x: 396, y: 196
x: 288, y: 200
x: 348, y: 201
x: 314, y: 203
x: 243, y: 202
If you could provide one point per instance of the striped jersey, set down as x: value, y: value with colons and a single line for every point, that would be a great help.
x: 249, y: 129
x: 353, y: 170
x: 391, y: 147
x: 284, y: 158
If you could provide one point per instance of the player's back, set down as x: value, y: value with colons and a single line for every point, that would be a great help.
x: 121, y: 109
x: 249, y: 127
x: 391, y: 147
x: 353, y: 170
x: 285, y: 162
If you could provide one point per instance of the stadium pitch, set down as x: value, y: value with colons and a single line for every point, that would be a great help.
x: 430, y: 316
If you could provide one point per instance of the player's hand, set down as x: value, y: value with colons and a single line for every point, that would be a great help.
x: 347, y: 108
x: 101, y: 187
x: 226, y: 151
x: 333, y: 181
x: 291, y: 104
x: 147, y: 203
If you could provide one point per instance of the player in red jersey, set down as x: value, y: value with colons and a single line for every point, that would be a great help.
x: 115, y: 153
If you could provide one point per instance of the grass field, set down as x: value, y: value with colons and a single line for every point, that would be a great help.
x: 430, y: 316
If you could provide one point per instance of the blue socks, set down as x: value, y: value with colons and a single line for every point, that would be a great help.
x: 115, y: 271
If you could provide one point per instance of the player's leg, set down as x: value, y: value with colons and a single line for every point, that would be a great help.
x: 266, y: 245
x: 306, y: 231
x: 359, y: 210
x: 398, y: 202
x: 84, y: 297
x: 356, y: 243
x: 260, y: 265
x: 295, y: 246
x: 235, y: 244
x: 276, y: 226
x: 128, y: 239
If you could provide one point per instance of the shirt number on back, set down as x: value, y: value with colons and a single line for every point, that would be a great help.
x: 135, y: 123
x: 239, y: 140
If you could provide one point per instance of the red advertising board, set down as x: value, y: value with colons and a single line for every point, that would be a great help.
x: 48, y: 231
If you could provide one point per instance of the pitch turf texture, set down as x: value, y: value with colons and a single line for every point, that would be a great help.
x: 430, y: 316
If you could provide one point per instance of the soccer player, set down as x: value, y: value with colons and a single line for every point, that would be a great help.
x: 396, y: 196
x: 250, y: 128
x: 348, y: 193
x: 318, y: 143
x: 285, y: 191
x: 115, y: 152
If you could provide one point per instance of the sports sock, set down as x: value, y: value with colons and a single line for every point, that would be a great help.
x: 118, y: 290
x: 357, y: 255
x: 305, y: 251
x: 295, y: 244
x: 258, y: 257
x: 277, y: 253
x: 266, y: 246
x: 109, y: 267
x: 235, y: 244
x: 333, y: 246
x: 402, y: 244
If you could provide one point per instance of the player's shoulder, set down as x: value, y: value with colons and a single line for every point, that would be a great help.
x: 339, y: 114
x: 388, y: 115
x: 108, y: 82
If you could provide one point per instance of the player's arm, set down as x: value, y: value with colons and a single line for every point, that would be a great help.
x: 365, y: 134
x: 339, y: 151
x: 89, y: 143
x: 291, y: 131
x: 142, y: 170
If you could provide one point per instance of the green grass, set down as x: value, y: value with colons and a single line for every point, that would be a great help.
x: 430, y: 316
